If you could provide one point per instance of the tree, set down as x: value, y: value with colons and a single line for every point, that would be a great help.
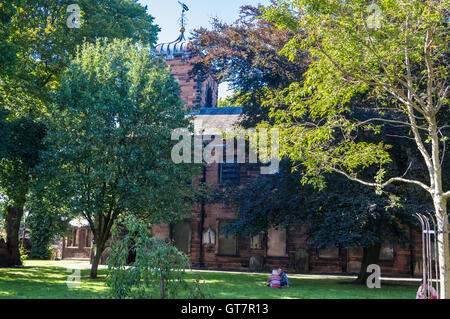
x: 110, y: 139
x: 245, y: 54
x: 24, y: 140
x: 35, y: 47
x: 345, y: 214
x: 397, y: 49
x: 45, y: 41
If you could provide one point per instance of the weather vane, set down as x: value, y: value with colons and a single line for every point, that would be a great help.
x: 183, y: 15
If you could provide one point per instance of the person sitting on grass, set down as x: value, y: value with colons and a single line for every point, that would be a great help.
x: 274, y: 280
x: 284, y: 278
x: 423, y: 289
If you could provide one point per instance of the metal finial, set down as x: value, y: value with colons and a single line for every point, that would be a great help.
x: 183, y: 19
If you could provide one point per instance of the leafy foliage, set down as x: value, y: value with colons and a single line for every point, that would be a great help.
x: 8, y: 59
x: 351, y: 58
x: 23, y: 139
x: 38, y: 31
x: 45, y: 42
x: 35, y: 48
x: 46, y: 225
x: 398, y: 53
x: 24, y: 254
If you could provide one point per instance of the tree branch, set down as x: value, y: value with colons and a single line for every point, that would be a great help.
x: 388, y: 182
x: 391, y: 121
x: 410, y: 112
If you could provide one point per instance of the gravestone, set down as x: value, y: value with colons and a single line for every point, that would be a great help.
x: 256, y: 263
x: 301, y: 261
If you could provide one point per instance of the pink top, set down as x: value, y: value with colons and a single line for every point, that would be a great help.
x: 275, y: 281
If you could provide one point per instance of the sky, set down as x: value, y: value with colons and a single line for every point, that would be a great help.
x: 167, y: 14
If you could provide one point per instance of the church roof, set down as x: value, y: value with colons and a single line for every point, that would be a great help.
x: 213, y: 120
x: 220, y: 110
x: 178, y: 47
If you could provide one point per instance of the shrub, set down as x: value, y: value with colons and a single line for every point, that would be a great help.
x: 23, y: 254
x: 46, y: 226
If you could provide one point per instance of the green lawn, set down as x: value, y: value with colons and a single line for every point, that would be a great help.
x: 43, y: 279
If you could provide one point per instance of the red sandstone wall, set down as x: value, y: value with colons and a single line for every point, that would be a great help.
x: 193, y: 88
x: 80, y: 251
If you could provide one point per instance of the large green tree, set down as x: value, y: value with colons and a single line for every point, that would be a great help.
x: 110, y: 139
x: 35, y: 45
x: 399, y: 50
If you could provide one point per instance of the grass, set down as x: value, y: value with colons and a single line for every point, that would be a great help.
x: 41, y: 279
x: 44, y: 279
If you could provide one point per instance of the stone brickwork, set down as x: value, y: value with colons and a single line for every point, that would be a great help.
x: 196, y: 90
x: 80, y: 248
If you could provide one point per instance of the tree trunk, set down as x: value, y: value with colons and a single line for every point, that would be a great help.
x: 12, y: 224
x: 371, y: 255
x: 99, y: 248
x: 440, y: 207
x: 443, y: 247
x: 101, y: 236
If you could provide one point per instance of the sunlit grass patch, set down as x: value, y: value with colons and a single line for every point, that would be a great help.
x: 47, y: 282
x: 44, y: 279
